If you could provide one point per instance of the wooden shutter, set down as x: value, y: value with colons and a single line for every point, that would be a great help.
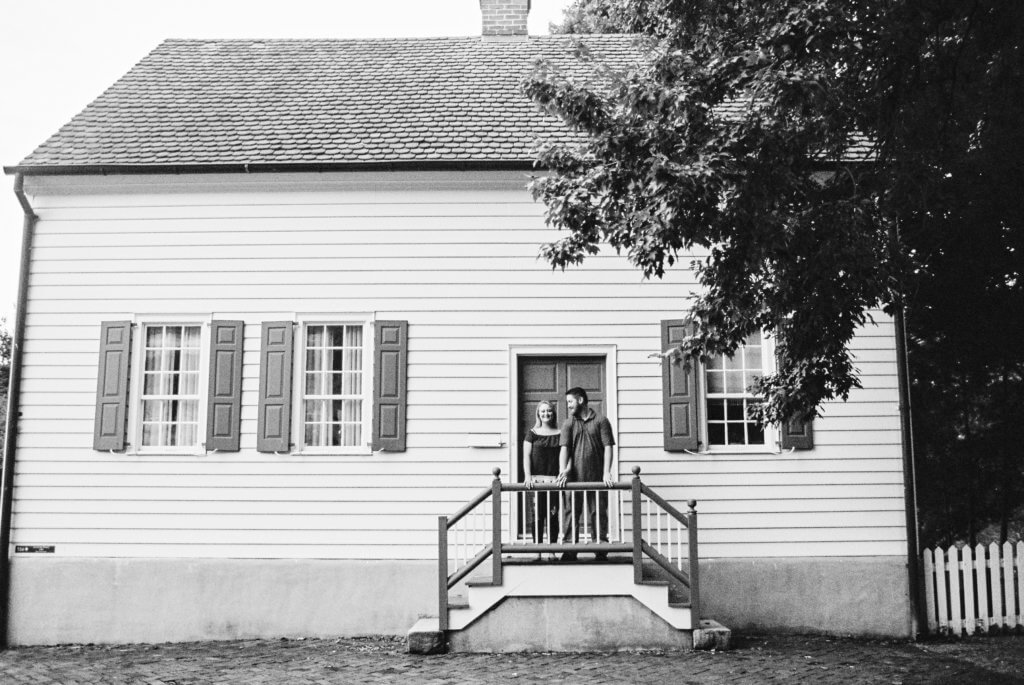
x: 798, y: 434
x: 274, y: 421
x: 679, y: 393
x: 112, y: 385
x: 391, y: 352
x: 224, y: 401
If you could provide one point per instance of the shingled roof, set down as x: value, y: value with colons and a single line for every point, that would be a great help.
x: 192, y: 103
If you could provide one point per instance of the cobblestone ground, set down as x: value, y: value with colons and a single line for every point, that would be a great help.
x: 770, y: 659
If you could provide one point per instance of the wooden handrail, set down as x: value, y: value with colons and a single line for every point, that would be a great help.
x: 666, y: 564
x: 669, y: 509
x: 470, y: 565
x: 461, y: 513
x: 540, y: 487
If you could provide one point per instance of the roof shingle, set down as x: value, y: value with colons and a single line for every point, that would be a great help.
x: 199, y: 102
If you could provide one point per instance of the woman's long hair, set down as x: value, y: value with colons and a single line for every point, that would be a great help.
x: 554, y: 414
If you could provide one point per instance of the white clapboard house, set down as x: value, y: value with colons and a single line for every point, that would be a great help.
x: 282, y: 316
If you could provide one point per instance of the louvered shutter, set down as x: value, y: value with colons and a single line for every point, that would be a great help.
x: 224, y: 403
x: 679, y: 393
x: 391, y: 352
x: 797, y: 434
x: 112, y: 385
x: 274, y: 419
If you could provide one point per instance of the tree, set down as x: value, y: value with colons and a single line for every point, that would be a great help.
x: 831, y: 157
x: 591, y: 16
x: 798, y: 142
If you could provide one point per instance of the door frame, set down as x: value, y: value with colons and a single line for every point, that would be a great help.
x: 608, y: 352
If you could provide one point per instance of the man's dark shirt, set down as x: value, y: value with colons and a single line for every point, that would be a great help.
x: 586, y: 439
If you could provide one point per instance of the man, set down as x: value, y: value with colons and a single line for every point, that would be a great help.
x: 585, y: 454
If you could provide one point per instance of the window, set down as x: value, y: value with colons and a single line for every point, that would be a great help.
x: 728, y: 396
x: 334, y: 403
x: 167, y: 401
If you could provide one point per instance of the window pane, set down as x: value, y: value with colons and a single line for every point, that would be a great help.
x: 172, y: 336
x: 734, y: 410
x: 755, y: 434
x: 353, y: 336
x: 314, y: 411
x: 716, y: 382
x: 313, y: 383
x: 155, y: 410
x: 734, y: 382
x: 191, y: 337
x: 190, y: 360
x: 346, y: 384
x: 152, y: 360
x: 314, y: 433
x: 187, y: 434
x: 736, y: 436
x: 315, y: 336
x: 716, y: 434
x: 753, y: 339
x: 346, y: 410
x: 752, y: 357
x: 735, y: 362
x: 336, y: 336
x: 353, y: 360
x: 188, y: 411
x: 314, y: 360
x: 335, y: 360
x: 189, y: 384
x: 351, y: 434
x: 149, y: 434
x: 716, y: 410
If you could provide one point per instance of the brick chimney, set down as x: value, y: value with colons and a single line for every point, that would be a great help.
x: 504, y: 18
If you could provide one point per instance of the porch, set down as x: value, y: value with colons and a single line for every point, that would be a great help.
x: 581, y: 566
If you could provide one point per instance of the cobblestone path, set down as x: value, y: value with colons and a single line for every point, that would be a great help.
x: 771, y: 659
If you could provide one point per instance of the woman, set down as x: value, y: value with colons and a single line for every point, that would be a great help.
x: 540, y: 465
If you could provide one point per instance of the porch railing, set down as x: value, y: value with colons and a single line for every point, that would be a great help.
x: 503, y: 519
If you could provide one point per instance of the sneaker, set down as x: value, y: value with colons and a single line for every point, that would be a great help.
x: 569, y: 556
x: 600, y: 556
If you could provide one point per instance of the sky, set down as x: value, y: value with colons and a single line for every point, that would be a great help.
x: 58, y: 55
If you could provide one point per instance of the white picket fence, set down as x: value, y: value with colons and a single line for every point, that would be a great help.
x: 979, y: 590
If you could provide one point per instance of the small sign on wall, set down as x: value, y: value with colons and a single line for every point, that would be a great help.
x: 35, y: 549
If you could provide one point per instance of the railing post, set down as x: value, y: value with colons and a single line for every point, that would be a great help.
x: 691, y: 526
x: 638, y: 570
x: 496, y: 527
x: 442, y: 573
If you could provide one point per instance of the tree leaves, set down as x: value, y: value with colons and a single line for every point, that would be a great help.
x: 786, y: 139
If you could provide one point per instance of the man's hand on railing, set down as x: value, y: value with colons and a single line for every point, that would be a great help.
x: 562, y: 478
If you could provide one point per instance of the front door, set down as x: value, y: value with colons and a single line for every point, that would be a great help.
x: 548, y: 378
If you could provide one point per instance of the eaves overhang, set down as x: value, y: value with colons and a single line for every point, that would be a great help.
x: 272, y: 167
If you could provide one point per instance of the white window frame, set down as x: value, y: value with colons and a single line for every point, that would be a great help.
x: 771, y: 433
x: 137, y: 374
x: 299, y: 384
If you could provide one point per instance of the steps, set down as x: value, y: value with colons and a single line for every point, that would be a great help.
x: 583, y: 605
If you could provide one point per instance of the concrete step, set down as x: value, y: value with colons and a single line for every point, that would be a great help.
x: 426, y: 637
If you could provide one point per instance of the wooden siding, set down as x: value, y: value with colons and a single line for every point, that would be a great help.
x: 456, y: 256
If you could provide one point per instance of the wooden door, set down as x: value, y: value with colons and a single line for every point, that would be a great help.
x: 548, y: 378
